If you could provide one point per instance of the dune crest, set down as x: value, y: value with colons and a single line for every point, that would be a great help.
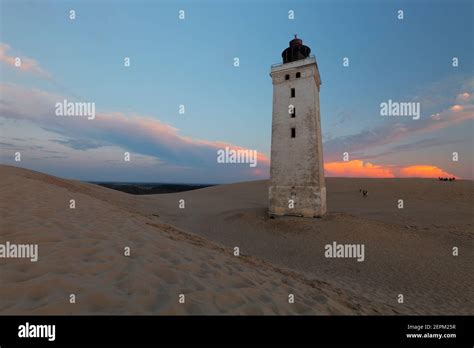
x: 81, y: 252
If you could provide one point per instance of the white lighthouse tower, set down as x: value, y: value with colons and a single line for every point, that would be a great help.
x: 296, y: 174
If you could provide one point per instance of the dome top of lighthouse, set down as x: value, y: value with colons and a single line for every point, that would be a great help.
x: 295, y: 51
x: 296, y: 42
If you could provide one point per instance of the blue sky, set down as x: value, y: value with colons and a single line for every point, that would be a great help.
x: 190, y: 62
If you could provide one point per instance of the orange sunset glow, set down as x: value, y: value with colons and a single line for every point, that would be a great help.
x: 424, y: 171
x: 358, y: 168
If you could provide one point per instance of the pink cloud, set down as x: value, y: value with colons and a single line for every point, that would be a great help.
x: 361, y: 169
x: 464, y: 97
x: 424, y: 171
x: 357, y: 168
x: 132, y: 132
x: 457, y: 108
x: 26, y: 64
x: 390, y: 133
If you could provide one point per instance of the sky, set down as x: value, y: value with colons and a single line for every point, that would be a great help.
x: 190, y: 62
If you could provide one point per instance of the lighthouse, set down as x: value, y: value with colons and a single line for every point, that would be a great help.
x: 297, y: 184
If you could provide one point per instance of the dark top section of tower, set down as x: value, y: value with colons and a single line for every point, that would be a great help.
x: 296, y: 51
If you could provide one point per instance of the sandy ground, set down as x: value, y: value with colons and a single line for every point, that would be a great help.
x: 407, y: 251
x: 190, y: 251
x: 81, y: 252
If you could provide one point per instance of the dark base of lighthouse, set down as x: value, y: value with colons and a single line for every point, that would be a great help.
x: 305, y: 201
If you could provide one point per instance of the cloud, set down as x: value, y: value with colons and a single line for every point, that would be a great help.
x: 464, y: 97
x: 440, y: 93
x: 391, y: 132
x: 414, y: 146
x: 134, y: 133
x: 423, y: 171
x: 79, y: 144
x: 28, y: 65
x: 9, y: 145
x: 358, y: 168
x: 449, y: 102
x: 457, y: 108
x: 148, y: 136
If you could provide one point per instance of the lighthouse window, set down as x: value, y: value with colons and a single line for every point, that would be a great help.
x: 293, y: 93
x: 287, y: 77
x: 293, y: 132
x: 293, y: 113
x: 298, y: 75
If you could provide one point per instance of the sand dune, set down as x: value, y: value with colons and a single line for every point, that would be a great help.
x: 190, y: 251
x: 81, y: 252
x: 408, y: 251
